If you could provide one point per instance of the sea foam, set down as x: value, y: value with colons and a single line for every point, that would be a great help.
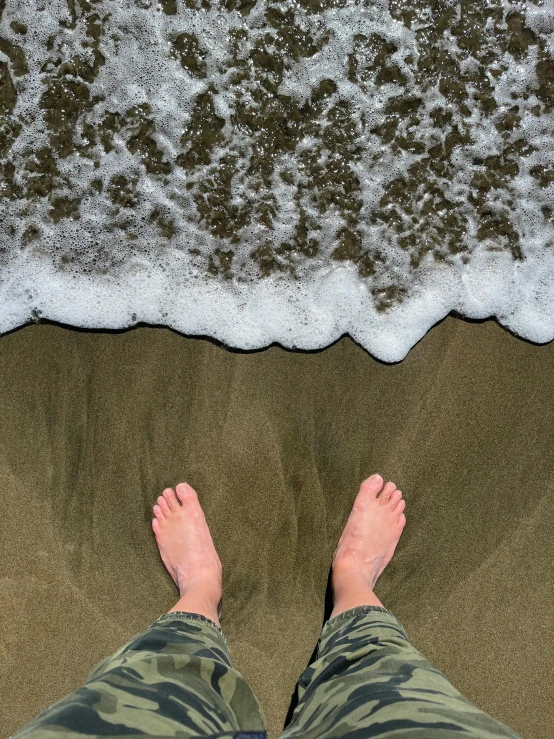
x: 278, y: 172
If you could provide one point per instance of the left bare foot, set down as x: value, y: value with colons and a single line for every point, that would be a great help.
x: 186, y: 546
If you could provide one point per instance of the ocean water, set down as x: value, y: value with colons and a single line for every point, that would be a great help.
x: 286, y: 171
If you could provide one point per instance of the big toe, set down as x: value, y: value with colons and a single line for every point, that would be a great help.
x: 372, y: 485
x: 186, y: 493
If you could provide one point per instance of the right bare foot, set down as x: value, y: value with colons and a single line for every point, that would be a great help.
x: 368, y: 541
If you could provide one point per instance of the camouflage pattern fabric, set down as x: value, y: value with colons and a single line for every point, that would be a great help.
x: 176, y: 680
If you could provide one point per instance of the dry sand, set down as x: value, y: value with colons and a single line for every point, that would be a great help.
x: 96, y: 424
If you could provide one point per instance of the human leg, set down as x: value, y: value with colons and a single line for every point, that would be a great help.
x: 175, y: 678
x: 368, y: 680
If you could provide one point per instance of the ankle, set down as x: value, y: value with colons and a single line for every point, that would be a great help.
x: 353, y: 565
x: 200, y: 593
x: 199, y: 600
x: 351, y: 590
x: 198, y: 578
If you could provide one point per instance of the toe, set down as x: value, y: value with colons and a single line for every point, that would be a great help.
x: 172, y: 502
x: 185, y: 492
x: 388, y: 490
x: 399, y: 507
x: 156, y: 526
x: 162, y: 502
x: 372, y: 485
x: 395, y: 497
x: 158, y: 512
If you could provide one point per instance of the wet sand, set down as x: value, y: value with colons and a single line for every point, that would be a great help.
x: 96, y: 424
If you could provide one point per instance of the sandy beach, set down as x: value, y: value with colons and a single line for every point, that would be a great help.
x: 96, y: 423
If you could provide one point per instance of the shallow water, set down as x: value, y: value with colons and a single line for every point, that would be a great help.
x: 278, y: 171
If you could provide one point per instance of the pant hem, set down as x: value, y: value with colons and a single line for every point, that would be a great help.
x: 330, y: 625
x: 189, y: 616
x: 358, y: 610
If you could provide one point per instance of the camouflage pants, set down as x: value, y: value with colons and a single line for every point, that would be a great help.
x: 176, y: 680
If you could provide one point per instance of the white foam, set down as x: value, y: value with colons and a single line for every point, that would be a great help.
x: 310, y: 315
x: 157, y: 281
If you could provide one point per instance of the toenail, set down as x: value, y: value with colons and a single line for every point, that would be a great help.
x: 375, y: 478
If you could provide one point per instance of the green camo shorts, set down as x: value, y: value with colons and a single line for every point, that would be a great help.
x: 176, y: 680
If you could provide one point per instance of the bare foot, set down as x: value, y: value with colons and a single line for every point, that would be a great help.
x: 370, y: 535
x: 186, y: 546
